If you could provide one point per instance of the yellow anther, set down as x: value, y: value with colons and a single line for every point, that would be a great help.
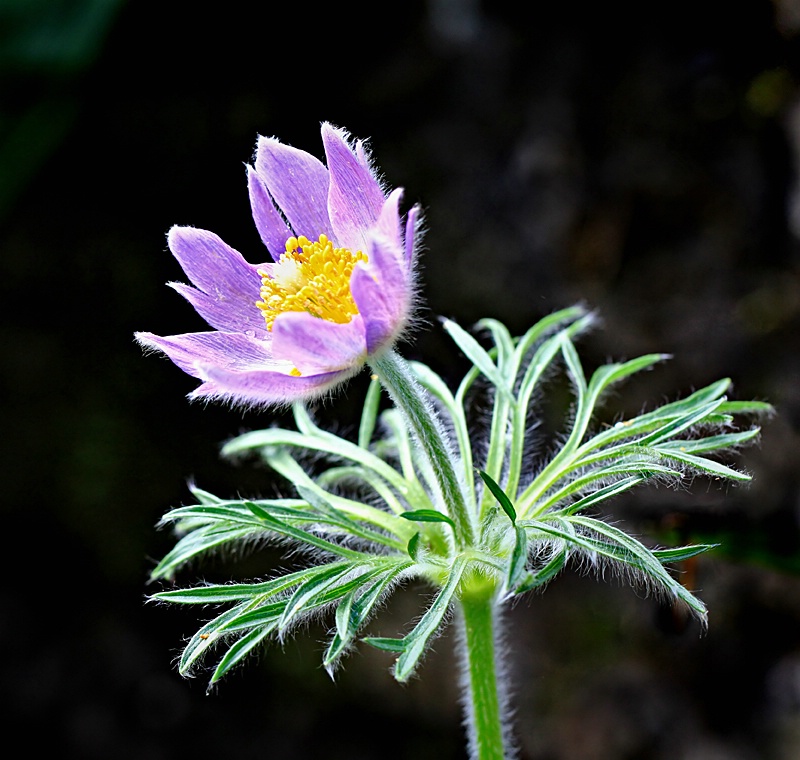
x: 312, y: 277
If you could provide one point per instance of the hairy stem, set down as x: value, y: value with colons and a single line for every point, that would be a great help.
x: 483, y: 701
x: 412, y: 401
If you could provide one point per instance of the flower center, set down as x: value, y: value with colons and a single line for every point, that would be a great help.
x: 312, y: 277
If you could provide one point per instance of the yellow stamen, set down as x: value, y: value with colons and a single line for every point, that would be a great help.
x: 312, y: 277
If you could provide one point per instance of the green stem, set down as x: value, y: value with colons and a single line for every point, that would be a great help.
x: 483, y: 703
x: 410, y: 398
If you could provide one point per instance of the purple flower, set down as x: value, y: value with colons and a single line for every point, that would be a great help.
x: 339, y: 288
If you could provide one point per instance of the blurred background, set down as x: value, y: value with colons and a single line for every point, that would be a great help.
x: 641, y: 161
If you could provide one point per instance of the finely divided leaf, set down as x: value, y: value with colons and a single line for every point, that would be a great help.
x: 544, y: 574
x: 416, y: 641
x: 479, y: 357
x: 239, y: 651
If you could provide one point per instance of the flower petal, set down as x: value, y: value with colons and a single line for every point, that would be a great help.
x: 411, y: 236
x: 298, y: 183
x: 231, y: 351
x: 316, y: 345
x: 269, y: 223
x: 214, y: 267
x: 230, y: 316
x: 355, y: 197
x: 382, y: 292
x: 263, y: 387
x: 388, y: 223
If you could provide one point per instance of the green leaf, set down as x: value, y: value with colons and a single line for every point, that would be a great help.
x: 369, y: 415
x: 504, y: 342
x: 199, y: 541
x: 574, y: 366
x: 583, y: 408
x: 497, y: 449
x: 282, y: 462
x: 436, y: 386
x: 500, y: 495
x: 610, y: 374
x: 353, y: 612
x: 307, y: 595
x: 518, y: 561
x: 239, y: 651
x: 575, y: 318
x: 218, y: 594
x: 258, y: 511
x: 267, y: 613
x: 427, y: 515
x: 545, y: 573
x: 642, y: 558
x: 224, y: 513
x: 386, y: 644
x: 316, y: 498
x: 304, y: 537
x: 638, y: 468
x: 479, y: 357
x: 344, y: 614
x: 656, y: 419
x: 204, y: 497
x: 680, y: 553
x: 417, y: 640
x: 712, y: 442
x: 208, y: 636
x: 393, y: 421
x: 715, y: 469
x: 276, y: 439
x: 335, y: 475
x: 601, y: 494
x: 686, y: 421
x: 747, y: 407
x: 259, y: 614
x: 303, y: 420
x: 542, y: 358
x: 414, y: 547
x: 331, y: 593
x: 621, y: 548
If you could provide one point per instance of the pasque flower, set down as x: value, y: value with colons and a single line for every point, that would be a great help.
x: 339, y: 287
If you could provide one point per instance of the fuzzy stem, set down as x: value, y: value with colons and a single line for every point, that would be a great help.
x: 410, y: 398
x: 483, y: 703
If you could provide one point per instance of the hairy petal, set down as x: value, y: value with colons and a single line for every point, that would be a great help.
x: 411, y: 235
x: 232, y: 351
x: 388, y: 222
x: 213, y: 266
x: 269, y: 223
x: 262, y: 387
x: 381, y: 292
x: 230, y: 316
x: 315, y: 345
x: 355, y: 197
x: 362, y: 155
x: 298, y: 183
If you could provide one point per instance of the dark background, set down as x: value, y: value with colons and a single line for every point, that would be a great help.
x: 638, y: 158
